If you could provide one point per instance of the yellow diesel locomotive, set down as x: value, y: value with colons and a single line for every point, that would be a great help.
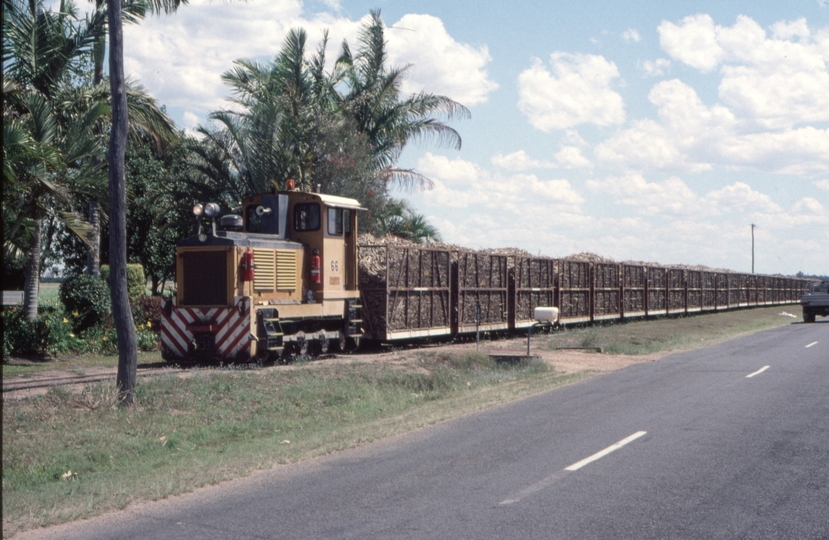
x: 277, y: 278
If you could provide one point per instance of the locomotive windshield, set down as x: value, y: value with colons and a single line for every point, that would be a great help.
x: 306, y: 217
x: 263, y: 217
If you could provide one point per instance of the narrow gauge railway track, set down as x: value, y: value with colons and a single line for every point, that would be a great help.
x: 154, y: 370
x: 46, y: 382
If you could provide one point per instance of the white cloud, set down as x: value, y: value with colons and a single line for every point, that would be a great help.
x: 789, y: 30
x: 461, y: 183
x: 822, y: 184
x: 180, y: 58
x: 518, y: 161
x: 776, y: 82
x: 739, y: 197
x: 693, y: 42
x: 569, y: 157
x: 692, y: 136
x: 577, y: 90
x: 655, y: 68
x: 191, y: 120
x: 808, y: 205
x: 441, y: 65
x: 671, y: 196
x: 631, y: 35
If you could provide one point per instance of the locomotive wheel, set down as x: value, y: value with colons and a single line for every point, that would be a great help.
x: 342, y: 343
x: 353, y: 344
x: 301, y: 345
x: 323, y: 343
x: 262, y: 358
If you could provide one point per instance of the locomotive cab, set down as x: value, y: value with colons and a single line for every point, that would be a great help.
x: 281, y: 280
x: 326, y: 228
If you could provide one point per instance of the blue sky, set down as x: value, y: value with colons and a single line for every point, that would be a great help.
x: 650, y: 131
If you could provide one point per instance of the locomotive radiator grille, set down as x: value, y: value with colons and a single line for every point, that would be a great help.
x: 286, y: 272
x: 264, y: 273
x: 204, y: 282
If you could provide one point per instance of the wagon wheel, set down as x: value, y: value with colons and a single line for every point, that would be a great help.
x: 353, y: 343
x: 342, y: 342
x: 301, y: 345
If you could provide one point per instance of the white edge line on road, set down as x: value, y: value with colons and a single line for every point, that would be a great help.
x: 606, y: 451
x: 759, y: 371
x: 812, y: 344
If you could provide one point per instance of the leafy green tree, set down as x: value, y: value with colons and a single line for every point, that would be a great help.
x: 400, y: 219
x: 162, y: 190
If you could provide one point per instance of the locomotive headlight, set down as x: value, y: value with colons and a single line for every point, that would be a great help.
x: 202, y: 237
x: 198, y: 210
x: 211, y: 210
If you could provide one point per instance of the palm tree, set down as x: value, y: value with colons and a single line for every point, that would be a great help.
x: 41, y: 47
x: 132, y: 11
x: 279, y: 115
x: 342, y: 131
x: 399, y: 219
x: 53, y: 153
x: 44, y: 151
x: 127, y: 344
x: 374, y: 103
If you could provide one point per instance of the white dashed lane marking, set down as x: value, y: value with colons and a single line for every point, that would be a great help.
x: 812, y: 344
x: 759, y: 371
x: 538, y: 486
x: 598, y: 455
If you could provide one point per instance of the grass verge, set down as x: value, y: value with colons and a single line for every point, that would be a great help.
x: 68, y: 456
x: 670, y: 334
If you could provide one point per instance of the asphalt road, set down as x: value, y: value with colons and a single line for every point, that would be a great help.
x: 730, y: 441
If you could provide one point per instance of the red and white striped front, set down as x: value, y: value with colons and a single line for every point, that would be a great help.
x: 230, y: 327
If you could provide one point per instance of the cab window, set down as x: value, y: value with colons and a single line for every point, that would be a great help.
x: 335, y: 221
x: 306, y: 217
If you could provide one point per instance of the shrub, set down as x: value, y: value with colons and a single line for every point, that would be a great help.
x: 146, y: 312
x: 146, y: 339
x: 136, y: 280
x: 86, y: 298
x: 53, y: 333
x: 50, y: 333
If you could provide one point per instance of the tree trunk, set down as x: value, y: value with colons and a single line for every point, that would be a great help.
x: 93, y: 254
x: 124, y: 325
x: 32, y: 287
